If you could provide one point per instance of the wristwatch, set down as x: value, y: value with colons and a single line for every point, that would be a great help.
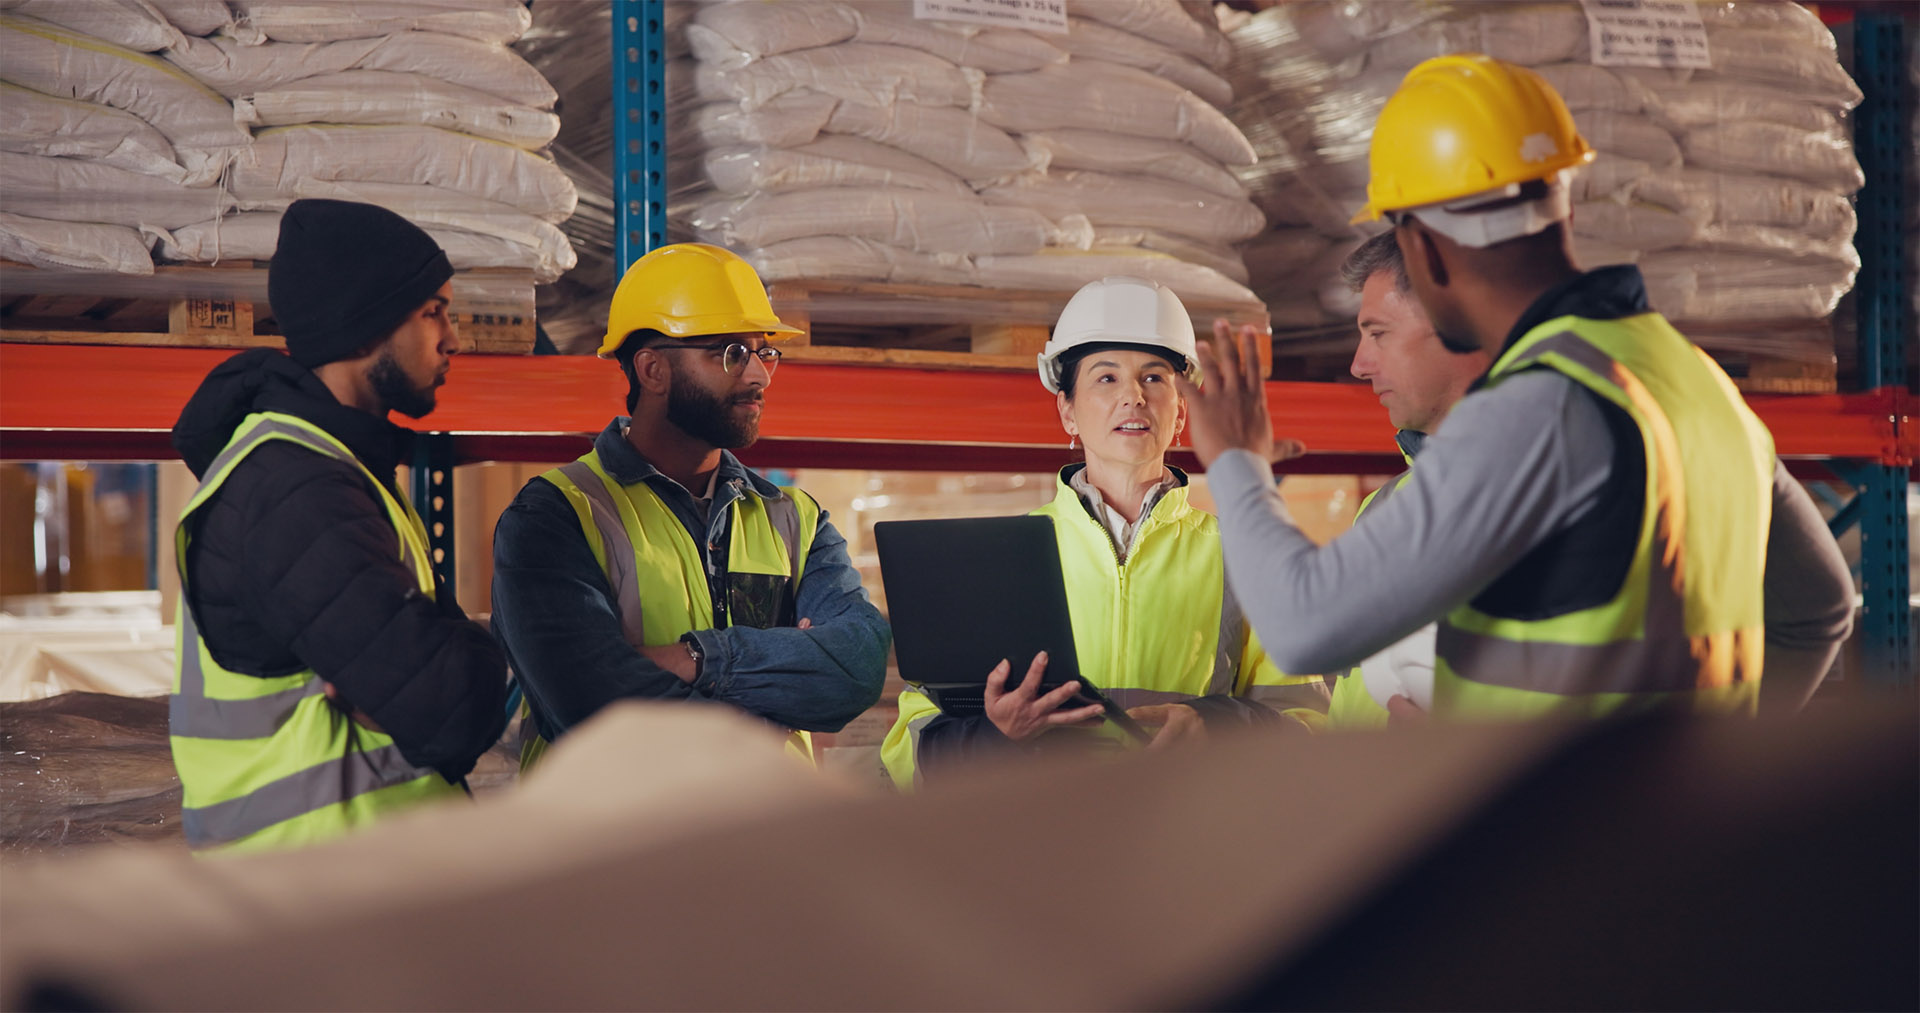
x: 695, y: 652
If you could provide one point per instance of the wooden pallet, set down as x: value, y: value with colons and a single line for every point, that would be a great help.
x: 936, y: 326
x: 202, y: 306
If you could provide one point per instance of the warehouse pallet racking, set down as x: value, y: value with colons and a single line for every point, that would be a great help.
x: 109, y: 403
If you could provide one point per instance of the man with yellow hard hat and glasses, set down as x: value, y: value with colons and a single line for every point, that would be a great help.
x: 657, y: 566
x: 1600, y: 525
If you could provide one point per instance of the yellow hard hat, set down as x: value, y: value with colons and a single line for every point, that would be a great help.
x: 687, y: 290
x: 1464, y: 124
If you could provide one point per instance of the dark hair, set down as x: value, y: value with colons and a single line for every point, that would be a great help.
x: 1381, y: 253
x: 1070, y: 362
x: 630, y: 347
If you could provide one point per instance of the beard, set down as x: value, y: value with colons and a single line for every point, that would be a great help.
x: 398, y: 392
x: 709, y: 418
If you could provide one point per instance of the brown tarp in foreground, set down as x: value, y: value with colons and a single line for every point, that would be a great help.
x: 669, y: 857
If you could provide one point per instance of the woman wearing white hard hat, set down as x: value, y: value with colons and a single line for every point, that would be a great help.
x: 1153, y: 621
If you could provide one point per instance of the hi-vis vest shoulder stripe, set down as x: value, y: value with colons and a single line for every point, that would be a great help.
x: 656, y: 571
x: 267, y: 762
x: 1352, y: 706
x: 1685, y: 627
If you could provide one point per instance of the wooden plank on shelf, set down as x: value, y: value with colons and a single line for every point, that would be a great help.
x: 493, y: 310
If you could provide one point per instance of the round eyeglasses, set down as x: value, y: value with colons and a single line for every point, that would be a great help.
x: 733, y: 358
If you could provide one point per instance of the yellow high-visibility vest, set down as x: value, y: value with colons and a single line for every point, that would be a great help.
x: 270, y: 762
x: 654, y: 565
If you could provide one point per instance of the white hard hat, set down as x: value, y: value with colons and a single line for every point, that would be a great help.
x: 1122, y: 311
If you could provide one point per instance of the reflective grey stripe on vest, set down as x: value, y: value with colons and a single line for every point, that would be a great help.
x: 324, y: 784
x: 1127, y: 699
x: 615, y: 546
x: 1307, y: 695
x: 1664, y: 658
x: 192, y: 714
x: 1226, y: 646
x: 914, y: 728
x: 783, y: 513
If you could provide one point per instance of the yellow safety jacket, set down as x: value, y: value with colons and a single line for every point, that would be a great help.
x: 1148, y: 630
x: 658, y: 574
x: 1686, y: 625
x: 270, y: 762
x: 1352, y: 706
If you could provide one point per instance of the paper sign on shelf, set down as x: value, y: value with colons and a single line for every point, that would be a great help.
x: 1034, y: 15
x: 1646, y: 33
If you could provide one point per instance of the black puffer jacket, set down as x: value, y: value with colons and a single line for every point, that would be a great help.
x: 294, y: 564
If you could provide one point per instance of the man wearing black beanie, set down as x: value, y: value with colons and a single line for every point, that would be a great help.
x: 326, y: 675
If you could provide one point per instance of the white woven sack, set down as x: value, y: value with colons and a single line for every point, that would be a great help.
x: 432, y: 206
x: 196, y: 17
x: 1585, y: 86
x: 496, y: 22
x: 737, y: 33
x: 943, y: 135
x: 53, y: 60
x: 1087, y: 39
x: 36, y: 124
x: 233, y: 68
x: 853, y: 259
x: 1633, y: 225
x: 1122, y: 238
x: 1773, y: 58
x: 912, y: 219
x: 1609, y: 176
x: 1735, y: 199
x: 794, y: 118
x: 134, y: 24
x: 856, y: 71
x: 380, y: 96
x: 281, y: 157
x: 1066, y: 271
x: 73, y: 246
x: 1098, y: 95
x: 1825, y: 159
x: 1683, y: 107
x: 1069, y: 148
x: 253, y: 236
x: 1143, y: 201
x: 994, y: 50
x: 1164, y: 21
x: 828, y: 162
x: 77, y: 190
x: 1628, y: 136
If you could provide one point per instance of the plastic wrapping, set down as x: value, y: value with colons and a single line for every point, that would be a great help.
x: 233, y: 68
x: 1720, y: 183
x: 1108, y: 199
x: 832, y: 161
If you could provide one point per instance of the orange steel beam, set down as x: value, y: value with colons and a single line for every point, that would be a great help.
x: 110, y: 401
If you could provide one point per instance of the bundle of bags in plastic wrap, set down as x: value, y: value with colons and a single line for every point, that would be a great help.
x: 852, y: 140
x: 183, y: 128
x: 1729, y: 186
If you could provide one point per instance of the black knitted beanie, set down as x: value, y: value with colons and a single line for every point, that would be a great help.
x: 344, y: 275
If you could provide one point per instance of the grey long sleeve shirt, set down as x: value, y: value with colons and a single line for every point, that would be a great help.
x: 1510, y: 467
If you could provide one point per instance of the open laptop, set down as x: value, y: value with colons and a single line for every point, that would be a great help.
x: 963, y: 594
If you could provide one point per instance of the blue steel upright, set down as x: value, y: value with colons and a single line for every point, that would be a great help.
x: 1882, y: 132
x: 639, y: 130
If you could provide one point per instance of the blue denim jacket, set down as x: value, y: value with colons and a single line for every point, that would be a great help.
x: 557, y: 617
